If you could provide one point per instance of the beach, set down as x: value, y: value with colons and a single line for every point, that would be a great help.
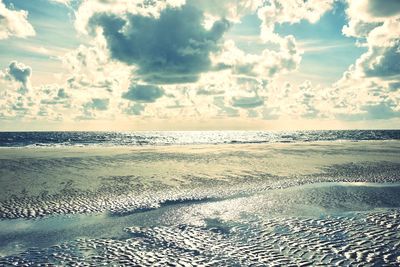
x: 213, y: 204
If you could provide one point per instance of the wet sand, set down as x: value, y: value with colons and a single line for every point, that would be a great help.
x: 286, y: 204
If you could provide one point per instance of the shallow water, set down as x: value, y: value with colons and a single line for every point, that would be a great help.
x: 298, y: 211
x: 240, y: 205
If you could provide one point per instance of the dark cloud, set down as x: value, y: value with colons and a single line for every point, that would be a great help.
x: 20, y: 73
x: 247, y: 102
x: 173, y: 48
x: 61, y: 93
x: 388, y: 63
x: 214, y: 91
x: 394, y: 86
x: 384, y: 8
x: 143, y: 93
x: 97, y: 104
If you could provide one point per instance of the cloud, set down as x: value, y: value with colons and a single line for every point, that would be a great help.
x: 247, y: 102
x: 289, y: 11
x: 232, y: 10
x: 368, y: 89
x: 92, y: 72
x: 214, y: 91
x: 223, y: 108
x: 376, y: 111
x: 135, y: 109
x: 16, y: 98
x: 381, y: 61
x: 394, y: 86
x: 373, y: 10
x: 53, y: 95
x: 20, y: 73
x: 143, y: 93
x: 364, y: 16
x: 61, y: 93
x: 64, y: 2
x: 89, y: 8
x: 161, y: 54
x: 378, y: 23
x: 100, y: 104
x: 359, y: 29
x: 266, y: 65
x: 356, y: 97
x: 14, y: 23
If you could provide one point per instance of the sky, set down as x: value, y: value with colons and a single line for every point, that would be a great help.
x: 199, y: 64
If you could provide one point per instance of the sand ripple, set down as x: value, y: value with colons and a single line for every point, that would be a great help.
x: 364, y: 239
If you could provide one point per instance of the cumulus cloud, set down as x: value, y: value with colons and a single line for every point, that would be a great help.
x: 368, y: 89
x: 364, y: 16
x: 230, y: 9
x: 170, y: 58
x: 289, y: 11
x: 247, y: 102
x: 143, y: 93
x: 91, y: 67
x: 64, y: 2
x: 98, y: 104
x: 355, y: 97
x: 53, y: 95
x: 373, y: 10
x: 210, y: 91
x: 20, y: 73
x: 223, y: 108
x: 378, y: 23
x: 14, y: 23
x: 162, y: 55
x: 359, y: 29
x: 89, y: 8
x: 16, y: 98
x: 135, y: 109
x: 268, y: 64
x: 394, y: 86
x: 381, y: 61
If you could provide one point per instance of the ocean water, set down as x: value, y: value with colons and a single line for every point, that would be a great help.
x: 36, y: 139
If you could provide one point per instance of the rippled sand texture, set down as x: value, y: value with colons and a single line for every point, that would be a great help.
x: 364, y: 240
x: 226, y: 205
x: 39, y: 182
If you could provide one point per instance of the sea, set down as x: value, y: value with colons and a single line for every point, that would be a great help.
x: 163, y: 138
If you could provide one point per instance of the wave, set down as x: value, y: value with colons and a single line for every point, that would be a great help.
x: 109, y: 139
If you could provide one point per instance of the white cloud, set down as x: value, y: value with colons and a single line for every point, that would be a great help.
x: 264, y: 66
x: 19, y: 73
x: 373, y: 10
x: 14, y: 23
x: 365, y: 90
x: 64, y: 2
x: 237, y: 84
x: 88, y: 8
x: 289, y: 11
x: 229, y: 9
